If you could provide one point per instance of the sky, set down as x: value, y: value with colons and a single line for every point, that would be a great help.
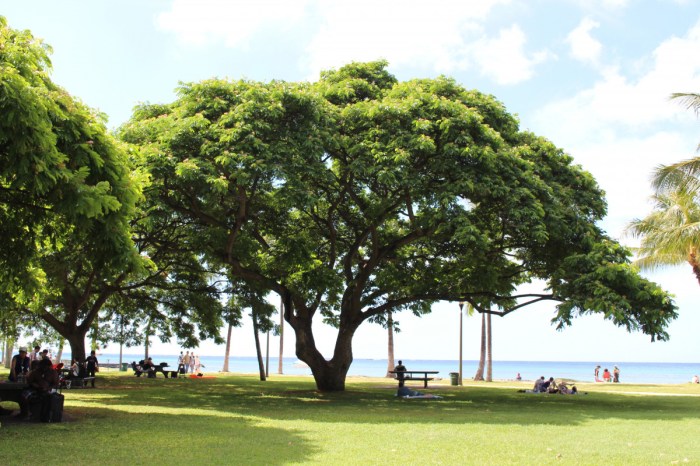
x: 593, y: 76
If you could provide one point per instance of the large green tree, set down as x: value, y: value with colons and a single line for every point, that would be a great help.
x: 59, y: 170
x: 77, y: 229
x: 359, y: 195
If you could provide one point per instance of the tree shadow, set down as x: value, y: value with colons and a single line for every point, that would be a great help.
x: 292, y: 400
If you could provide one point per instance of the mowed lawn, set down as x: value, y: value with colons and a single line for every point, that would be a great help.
x: 236, y: 419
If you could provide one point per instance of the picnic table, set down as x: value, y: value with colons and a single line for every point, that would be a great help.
x: 11, y: 391
x: 402, y: 376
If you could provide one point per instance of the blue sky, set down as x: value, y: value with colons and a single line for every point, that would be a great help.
x: 592, y: 76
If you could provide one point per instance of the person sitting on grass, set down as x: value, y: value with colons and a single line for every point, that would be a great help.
x: 405, y: 392
x: 550, y: 386
x: 539, y: 385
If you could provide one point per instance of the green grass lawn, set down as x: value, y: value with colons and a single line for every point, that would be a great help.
x: 240, y: 420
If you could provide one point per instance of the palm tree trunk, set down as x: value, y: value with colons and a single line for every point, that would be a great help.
x: 281, y: 358
x: 261, y: 366
x: 482, y: 356
x: 390, y: 349
x: 489, y: 355
x: 693, y: 261
x: 228, y: 348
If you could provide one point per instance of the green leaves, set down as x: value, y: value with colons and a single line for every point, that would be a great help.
x: 360, y: 194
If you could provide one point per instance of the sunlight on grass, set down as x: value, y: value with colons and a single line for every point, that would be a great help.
x: 241, y: 420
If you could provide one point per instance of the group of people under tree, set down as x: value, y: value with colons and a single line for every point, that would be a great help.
x: 40, y: 376
x: 23, y: 362
x: 608, y: 376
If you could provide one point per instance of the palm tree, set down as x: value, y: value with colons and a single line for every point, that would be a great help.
x: 485, y: 359
x: 670, y: 234
x: 489, y: 353
x: 683, y: 175
x: 482, y: 355
x: 390, y: 349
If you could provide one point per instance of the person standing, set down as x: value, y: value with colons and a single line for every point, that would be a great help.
x: 193, y: 361
x: 181, y: 363
x: 92, y: 366
x: 616, y: 374
x: 186, y: 362
x: 597, y: 374
x: 35, y: 355
x: 19, y: 366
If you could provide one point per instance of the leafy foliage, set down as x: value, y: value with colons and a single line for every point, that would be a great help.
x: 360, y: 195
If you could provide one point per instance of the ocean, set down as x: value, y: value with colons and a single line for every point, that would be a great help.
x: 630, y: 372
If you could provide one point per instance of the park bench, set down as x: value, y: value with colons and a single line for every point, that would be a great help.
x: 139, y: 369
x: 80, y: 382
x: 422, y: 376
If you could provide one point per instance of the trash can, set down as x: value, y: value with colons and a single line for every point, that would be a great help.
x: 454, y: 378
x: 125, y: 366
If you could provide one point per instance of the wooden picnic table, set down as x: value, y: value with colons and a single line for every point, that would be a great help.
x: 11, y: 391
x: 413, y: 375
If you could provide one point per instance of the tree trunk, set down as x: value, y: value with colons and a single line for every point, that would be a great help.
x: 76, y: 340
x: 59, y: 354
x: 227, y: 353
x: 329, y: 375
x: 279, y: 363
x: 9, y: 344
x: 261, y: 366
x: 146, y: 343
x: 693, y: 261
x: 267, y: 354
x: 482, y: 356
x: 95, y: 329
x: 489, y: 367
x: 390, y: 349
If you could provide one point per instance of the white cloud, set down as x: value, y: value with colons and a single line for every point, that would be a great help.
x: 418, y: 33
x: 201, y: 22
x: 504, y: 58
x: 619, y: 102
x: 442, y: 35
x: 583, y: 46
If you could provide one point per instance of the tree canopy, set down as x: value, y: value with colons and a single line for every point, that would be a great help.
x: 59, y: 168
x: 359, y: 195
x: 79, y: 235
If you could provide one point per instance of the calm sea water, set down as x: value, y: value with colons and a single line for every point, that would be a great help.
x: 630, y: 372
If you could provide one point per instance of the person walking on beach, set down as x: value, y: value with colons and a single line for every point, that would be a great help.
x: 616, y: 374
x: 597, y: 373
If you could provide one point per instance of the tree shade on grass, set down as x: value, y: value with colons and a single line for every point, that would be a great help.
x: 240, y: 420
